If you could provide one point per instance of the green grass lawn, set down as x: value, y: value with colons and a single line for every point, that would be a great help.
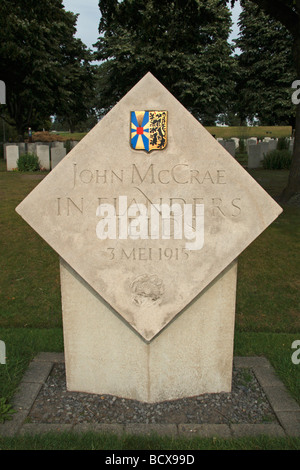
x: 244, y: 132
x: 267, y: 310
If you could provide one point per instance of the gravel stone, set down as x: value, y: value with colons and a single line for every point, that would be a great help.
x: 246, y: 403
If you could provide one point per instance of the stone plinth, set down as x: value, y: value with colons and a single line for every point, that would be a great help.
x: 103, y: 355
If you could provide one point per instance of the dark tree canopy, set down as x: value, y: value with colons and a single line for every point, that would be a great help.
x: 40, y: 60
x: 265, y: 68
x: 182, y: 43
x: 287, y: 12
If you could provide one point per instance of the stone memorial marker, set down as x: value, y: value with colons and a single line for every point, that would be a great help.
x: 148, y: 214
x: 31, y: 148
x: 254, y: 156
x: 272, y: 144
x: 5, y: 145
x: 229, y: 145
x: 22, y: 148
x: 57, y: 154
x: 73, y: 143
x: 43, y: 153
x: 12, y: 156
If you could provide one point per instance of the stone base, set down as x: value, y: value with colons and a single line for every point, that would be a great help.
x: 191, y: 356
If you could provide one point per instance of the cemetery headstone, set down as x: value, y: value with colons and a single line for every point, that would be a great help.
x: 31, y: 148
x: 255, y: 156
x: 22, y: 148
x: 57, y: 154
x: 236, y: 141
x: 256, y: 153
x: 148, y: 214
x: 5, y: 145
x: 43, y: 154
x: 12, y: 156
x: 272, y: 144
x: 264, y: 148
x: 251, y: 141
x: 229, y: 145
x: 57, y: 144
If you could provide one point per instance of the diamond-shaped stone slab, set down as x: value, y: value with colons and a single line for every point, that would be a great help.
x: 148, y: 281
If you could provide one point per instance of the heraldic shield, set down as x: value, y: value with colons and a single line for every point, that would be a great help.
x: 148, y: 130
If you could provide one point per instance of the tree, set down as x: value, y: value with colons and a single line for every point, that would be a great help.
x: 77, y: 95
x: 265, y: 71
x: 287, y: 12
x: 39, y: 58
x: 182, y: 43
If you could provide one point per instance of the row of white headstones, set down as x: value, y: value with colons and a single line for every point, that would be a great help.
x: 49, y: 155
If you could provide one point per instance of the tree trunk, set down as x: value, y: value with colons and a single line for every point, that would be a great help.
x: 293, y: 186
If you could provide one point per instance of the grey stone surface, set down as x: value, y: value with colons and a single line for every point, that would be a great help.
x: 52, y: 357
x: 5, y: 145
x: 22, y: 148
x: 57, y: 154
x: 244, y: 430
x: 280, y: 399
x: 26, y: 395
x: 31, y: 148
x: 42, y: 428
x: 147, y: 429
x: 73, y: 143
x: 37, y: 372
x: 12, y: 155
x: 255, y: 156
x: 43, y: 154
x: 204, y: 430
x: 100, y: 428
x: 229, y: 145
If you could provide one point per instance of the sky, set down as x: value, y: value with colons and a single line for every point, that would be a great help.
x: 89, y: 17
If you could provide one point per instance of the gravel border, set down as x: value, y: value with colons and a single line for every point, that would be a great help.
x: 43, y: 404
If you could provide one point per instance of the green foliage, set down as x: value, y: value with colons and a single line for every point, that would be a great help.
x: 242, y: 146
x: 265, y: 68
x: 45, y: 68
x: 28, y: 162
x: 182, y: 43
x: 277, y: 160
x: 283, y: 143
x: 6, y: 410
